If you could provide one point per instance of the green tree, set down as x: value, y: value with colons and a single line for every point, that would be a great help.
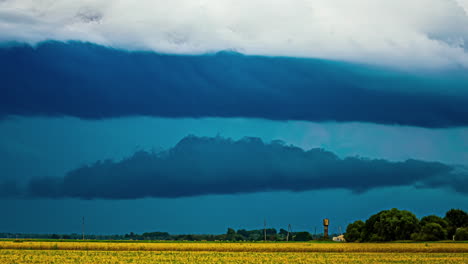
x: 430, y: 232
x: 242, y: 234
x: 231, y: 234
x: 303, y: 236
x: 283, y: 232
x: 461, y: 234
x: 390, y: 225
x: 354, y: 231
x: 456, y: 218
x: 434, y: 219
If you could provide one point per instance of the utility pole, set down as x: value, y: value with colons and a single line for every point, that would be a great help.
x: 315, y: 233
x: 264, y: 230
x: 82, y: 227
x: 289, y: 231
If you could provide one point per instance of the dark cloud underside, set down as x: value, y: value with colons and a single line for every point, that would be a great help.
x: 90, y: 81
x: 201, y: 166
x: 9, y: 188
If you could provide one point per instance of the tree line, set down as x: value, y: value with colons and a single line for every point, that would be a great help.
x: 271, y: 234
x: 394, y: 224
x: 387, y: 225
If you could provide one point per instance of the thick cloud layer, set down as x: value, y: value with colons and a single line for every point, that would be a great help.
x: 401, y: 33
x: 201, y: 166
x: 89, y: 81
x: 9, y: 188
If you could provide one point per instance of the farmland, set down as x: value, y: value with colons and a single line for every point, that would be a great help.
x: 92, y: 252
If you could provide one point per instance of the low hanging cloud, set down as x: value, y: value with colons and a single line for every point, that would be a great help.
x: 9, y: 188
x: 203, y: 166
x: 399, y: 33
x: 93, y: 82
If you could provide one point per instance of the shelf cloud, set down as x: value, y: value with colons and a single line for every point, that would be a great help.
x: 94, y: 82
x: 203, y: 166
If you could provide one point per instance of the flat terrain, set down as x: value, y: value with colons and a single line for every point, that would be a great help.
x: 103, y: 253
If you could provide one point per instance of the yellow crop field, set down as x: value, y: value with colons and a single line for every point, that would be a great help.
x: 104, y: 253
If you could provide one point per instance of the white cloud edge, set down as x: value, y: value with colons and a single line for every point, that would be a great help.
x: 405, y: 34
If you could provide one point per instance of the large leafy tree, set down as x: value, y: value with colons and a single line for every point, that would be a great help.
x: 434, y: 219
x: 430, y: 232
x: 390, y: 225
x: 354, y: 231
x: 456, y: 218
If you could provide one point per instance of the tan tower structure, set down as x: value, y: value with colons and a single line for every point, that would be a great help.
x: 326, y: 222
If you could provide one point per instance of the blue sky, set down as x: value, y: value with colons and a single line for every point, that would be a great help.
x: 205, y: 96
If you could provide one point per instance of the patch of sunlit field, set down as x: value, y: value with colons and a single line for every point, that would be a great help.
x: 103, y: 253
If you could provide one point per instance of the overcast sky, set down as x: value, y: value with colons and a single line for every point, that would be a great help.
x: 194, y: 116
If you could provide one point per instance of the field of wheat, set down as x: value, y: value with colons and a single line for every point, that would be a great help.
x: 104, y: 253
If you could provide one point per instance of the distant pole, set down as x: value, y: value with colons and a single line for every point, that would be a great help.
x: 82, y: 227
x: 289, y: 230
x: 315, y: 233
x: 264, y: 230
x: 341, y: 232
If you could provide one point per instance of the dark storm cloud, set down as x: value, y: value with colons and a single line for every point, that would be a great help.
x: 90, y: 81
x: 201, y: 166
x: 9, y: 188
x: 458, y: 180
